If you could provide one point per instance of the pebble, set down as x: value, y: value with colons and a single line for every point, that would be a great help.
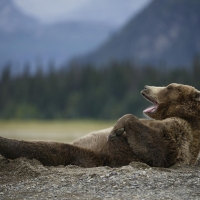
x: 28, y: 179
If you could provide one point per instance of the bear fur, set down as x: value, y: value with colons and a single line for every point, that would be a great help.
x: 171, y: 136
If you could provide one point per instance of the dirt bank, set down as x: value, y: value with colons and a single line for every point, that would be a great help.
x: 28, y: 179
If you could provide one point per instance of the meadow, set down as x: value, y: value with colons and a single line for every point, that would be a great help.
x: 50, y: 130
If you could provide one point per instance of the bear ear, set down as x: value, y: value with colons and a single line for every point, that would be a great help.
x: 197, y: 96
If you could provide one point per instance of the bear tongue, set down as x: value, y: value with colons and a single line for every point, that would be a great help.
x: 151, y: 109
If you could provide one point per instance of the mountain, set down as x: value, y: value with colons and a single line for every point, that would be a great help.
x: 115, y: 12
x: 11, y: 20
x: 24, y: 39
x: 165, y: 31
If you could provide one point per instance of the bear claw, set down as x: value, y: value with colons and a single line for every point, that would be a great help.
x: 120, y: 131
x: 116, y: 133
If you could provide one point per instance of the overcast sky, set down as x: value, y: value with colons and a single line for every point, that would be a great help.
x: 115, y: 12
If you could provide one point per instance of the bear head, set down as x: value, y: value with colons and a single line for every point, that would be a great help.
x: 174, y: 100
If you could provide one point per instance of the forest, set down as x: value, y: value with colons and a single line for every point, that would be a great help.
x: 85, y: 92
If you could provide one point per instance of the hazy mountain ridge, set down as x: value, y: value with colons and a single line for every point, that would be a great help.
x: 11, y: 20
x: 24, y: 39
x: 166, y: 31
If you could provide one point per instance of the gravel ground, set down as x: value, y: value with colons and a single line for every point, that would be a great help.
x: 28, y: 179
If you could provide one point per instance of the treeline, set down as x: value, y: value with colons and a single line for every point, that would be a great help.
x: 85, y: 92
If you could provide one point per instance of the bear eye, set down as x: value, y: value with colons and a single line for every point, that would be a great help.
x: 178, y: 89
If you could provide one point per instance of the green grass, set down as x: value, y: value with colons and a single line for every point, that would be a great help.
x: 61, y: 131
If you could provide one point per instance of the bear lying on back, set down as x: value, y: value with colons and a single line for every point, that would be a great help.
x: 172, y: 136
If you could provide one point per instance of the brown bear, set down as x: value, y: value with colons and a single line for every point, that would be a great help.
x: 171, y: 136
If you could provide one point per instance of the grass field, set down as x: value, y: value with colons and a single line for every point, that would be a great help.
x: 62, y: 131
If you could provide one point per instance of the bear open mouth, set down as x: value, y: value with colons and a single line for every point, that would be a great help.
x: 153, y: 108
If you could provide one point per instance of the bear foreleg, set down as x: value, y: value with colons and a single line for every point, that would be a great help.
x: 143, y: 140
